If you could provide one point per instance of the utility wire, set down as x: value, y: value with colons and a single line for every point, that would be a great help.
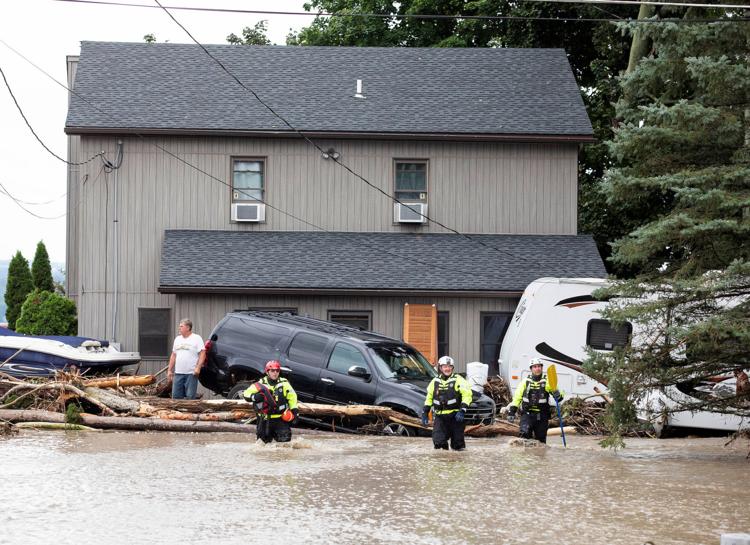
x: 320, y: 149
x: 22, y: 207
x: 425, y: 16
x: 409, y: 258
x: 18, y: 106
x: 34, y: 203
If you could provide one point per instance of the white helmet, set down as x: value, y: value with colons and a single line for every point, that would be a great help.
x: 446, y: 360
x: 535, y: 361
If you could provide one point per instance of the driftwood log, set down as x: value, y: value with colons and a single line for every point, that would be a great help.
x: 134, y: 423
x: 120, y: 382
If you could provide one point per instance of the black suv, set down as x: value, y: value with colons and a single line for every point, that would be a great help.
x: 325, y: 362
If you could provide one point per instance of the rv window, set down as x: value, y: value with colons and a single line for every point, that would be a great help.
x: 602, y: 336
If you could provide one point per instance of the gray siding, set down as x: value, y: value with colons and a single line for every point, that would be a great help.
x: 473, y: 187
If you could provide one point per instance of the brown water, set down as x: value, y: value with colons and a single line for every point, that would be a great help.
x: 80, y: 488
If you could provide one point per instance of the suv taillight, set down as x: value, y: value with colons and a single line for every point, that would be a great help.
x: 208, y: 346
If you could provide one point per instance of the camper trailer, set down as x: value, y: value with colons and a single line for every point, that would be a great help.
x: 558, y: 319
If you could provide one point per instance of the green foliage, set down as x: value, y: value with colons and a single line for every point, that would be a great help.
x: 41, y: 270
x: 73, y: 414
x: 47, y: 313
x: 149, y: 38
x: 251, y: 36
x: 18, y: 287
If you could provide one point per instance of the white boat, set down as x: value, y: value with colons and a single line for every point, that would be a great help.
x: 29, y: 355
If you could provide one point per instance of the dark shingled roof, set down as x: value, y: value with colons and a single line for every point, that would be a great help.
x: 275, y: 261
x: 432, y: 91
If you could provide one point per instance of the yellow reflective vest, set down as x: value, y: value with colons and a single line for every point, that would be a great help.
x: 529, y: 395
x: 448, y: 395
x: 283, y: 394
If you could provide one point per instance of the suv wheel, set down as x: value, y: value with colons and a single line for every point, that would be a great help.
x: 397, y: 429
x: 237, y: 389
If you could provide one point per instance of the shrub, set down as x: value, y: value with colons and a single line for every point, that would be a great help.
x: 47, y: 313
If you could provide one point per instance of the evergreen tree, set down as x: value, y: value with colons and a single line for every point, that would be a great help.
x: 683, y: 174
x: 19, y: 285
x: 41, y: 270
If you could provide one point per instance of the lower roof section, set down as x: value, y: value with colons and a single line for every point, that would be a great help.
x: 328, y: 263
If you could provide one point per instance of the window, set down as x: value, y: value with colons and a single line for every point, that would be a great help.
x: 345, y: 356
x: 493, y: 328
x: 252, y: 336
x: 361, y: 319
x: 308, y: 348
x: 411, y: 181
x: 248, y: 180
x: 600, y: 335
x: 442, y: 334
x: 154, y: 332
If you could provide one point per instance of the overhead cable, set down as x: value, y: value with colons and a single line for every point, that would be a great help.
x: 424, y: 16
x: 56, y: 156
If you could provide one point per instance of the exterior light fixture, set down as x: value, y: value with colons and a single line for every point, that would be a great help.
x: 331, y: 153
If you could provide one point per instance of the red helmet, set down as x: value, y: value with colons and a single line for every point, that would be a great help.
x: 273, y: 364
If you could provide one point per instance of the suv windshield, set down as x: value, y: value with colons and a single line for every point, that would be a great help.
x: 401, y: 362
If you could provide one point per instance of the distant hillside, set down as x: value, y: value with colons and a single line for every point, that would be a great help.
x: 56, y: 274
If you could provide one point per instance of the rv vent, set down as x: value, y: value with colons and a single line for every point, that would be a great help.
x: 602, y: 336
x: 253, y: 212
x: 410, y: 213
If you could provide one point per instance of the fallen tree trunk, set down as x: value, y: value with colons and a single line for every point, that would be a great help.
x: 491, y: 430
x: 134, y: 423
x: 113, y: 401
x: 118, y: 381
x: 569, y: 430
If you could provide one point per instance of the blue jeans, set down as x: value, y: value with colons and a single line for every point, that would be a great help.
x: 184, y: 386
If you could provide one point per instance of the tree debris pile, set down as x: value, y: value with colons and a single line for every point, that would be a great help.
x: 115, y: 403
x: 498, y: 390
x: 589, y: 418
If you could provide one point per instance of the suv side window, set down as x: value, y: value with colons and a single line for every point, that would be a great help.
x: 251, y: 335
x: 308, y: 349
x: 345, y: 356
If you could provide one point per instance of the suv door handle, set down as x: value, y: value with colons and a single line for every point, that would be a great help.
x: 286, y: 369
x: 328, y: 380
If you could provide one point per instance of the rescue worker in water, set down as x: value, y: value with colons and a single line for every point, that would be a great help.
x: 275, y: 404
x: 448, y: 396
x: 532, y: 396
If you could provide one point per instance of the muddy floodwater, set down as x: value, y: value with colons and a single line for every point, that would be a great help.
x: 141, y: 488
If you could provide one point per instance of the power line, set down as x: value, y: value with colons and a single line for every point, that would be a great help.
x: 426, y: 16
x: 34, y: 203
x: 648, y: 2
x: 409, y: 258
x: 18, y: 106
x: 22, y: 207
x: 316, y: 146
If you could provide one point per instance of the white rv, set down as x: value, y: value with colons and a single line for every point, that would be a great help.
x: 557, y: 319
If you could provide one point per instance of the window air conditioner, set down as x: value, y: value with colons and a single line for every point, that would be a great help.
x: 410, y: 212
x: 254, y: 212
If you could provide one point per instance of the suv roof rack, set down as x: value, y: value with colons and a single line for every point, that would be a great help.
x: 313, y: 324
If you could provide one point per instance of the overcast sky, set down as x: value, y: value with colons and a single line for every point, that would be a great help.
x: 45, y: 31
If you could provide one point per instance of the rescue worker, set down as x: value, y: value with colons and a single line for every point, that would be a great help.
x: 532, y: 396
x: 448, y: 396
x: 275, y: 403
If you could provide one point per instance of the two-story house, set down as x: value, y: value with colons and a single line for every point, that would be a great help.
x: 340, y: 183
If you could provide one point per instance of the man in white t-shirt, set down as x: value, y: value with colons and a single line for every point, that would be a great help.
x: 188, y: 355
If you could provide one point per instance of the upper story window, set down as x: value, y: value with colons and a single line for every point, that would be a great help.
x: 248, y: 180
x: 410, y: 189
x: 411, y: 181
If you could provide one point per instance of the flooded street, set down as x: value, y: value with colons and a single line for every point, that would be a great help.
x: 114, y: 488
